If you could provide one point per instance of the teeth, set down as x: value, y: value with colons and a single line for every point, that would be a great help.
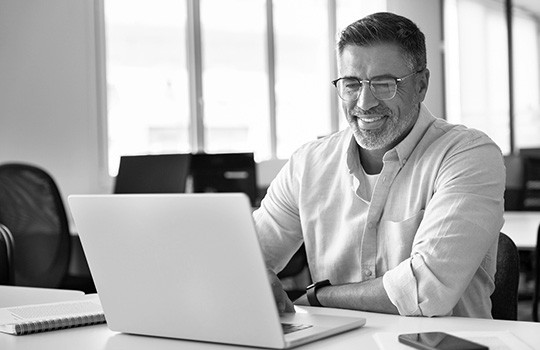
x: 370, y: 120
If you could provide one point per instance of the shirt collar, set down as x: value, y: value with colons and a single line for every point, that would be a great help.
x: 409, y: 143
x: 403, y: 149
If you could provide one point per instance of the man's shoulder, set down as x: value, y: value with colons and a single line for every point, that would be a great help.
x: 326, y: 145
x: 460, y: 135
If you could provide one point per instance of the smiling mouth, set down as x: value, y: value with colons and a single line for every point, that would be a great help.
x: 370, y: 119
x: 370, y: 122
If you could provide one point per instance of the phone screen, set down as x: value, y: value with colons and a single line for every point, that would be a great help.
x: 438, y: 341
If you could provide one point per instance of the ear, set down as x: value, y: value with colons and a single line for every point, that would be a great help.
x: 422, y: 84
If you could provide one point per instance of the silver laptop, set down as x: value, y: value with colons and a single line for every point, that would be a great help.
x: 187, y: 266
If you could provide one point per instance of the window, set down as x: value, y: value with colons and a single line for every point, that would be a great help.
x: 263, y: 80
x: 477, y: 70
x: 477, y: 84
x: 526, y: 32
x: 302, y: 73
x: 147, y: 80
x: 235, y: 83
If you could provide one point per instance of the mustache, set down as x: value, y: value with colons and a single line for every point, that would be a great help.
x: 374, y: 111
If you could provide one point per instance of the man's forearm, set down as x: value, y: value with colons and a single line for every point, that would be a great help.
x: 364, y: 296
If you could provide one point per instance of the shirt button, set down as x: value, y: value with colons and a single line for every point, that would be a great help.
x: 370, y: 225
x: 367, y: 272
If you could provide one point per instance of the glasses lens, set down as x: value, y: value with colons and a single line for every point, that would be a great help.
x: 384, y: 88
x: 348, y: 89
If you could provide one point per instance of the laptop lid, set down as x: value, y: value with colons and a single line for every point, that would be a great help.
x: 183, y: 266
x: 153, y: 173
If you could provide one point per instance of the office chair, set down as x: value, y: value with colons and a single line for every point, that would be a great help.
x: 536, y: 293
x: 504, y: 299
x: 31, y: 206
x: 6, y: 256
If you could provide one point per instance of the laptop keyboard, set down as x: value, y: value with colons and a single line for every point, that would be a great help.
x: 290, y: 327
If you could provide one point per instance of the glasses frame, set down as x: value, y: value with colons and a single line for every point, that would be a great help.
x: 369, y: 81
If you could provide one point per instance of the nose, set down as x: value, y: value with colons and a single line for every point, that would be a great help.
x: 366, y: 100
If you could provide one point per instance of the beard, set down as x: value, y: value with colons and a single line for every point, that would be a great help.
x: 394, y: 129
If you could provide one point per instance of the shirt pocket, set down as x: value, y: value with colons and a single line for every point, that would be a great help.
x: 395, y: 240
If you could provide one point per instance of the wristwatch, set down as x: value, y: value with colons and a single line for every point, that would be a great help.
x: 311, y: 292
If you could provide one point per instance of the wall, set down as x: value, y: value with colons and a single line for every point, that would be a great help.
x: 49, y: 110
x: 426, y: 14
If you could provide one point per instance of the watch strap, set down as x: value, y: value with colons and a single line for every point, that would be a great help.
x: 311, y: 292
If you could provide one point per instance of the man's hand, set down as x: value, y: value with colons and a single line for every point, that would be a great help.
x: 302, y: 300
x: 283, y: 303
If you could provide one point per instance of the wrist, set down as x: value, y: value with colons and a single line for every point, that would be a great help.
x: 311, y: 292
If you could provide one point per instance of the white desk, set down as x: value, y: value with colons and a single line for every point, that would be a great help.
x: 15, y: 296
x: 101, y: 338
x: 522, y: 227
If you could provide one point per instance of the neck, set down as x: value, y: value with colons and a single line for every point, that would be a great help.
x: 372, y: 160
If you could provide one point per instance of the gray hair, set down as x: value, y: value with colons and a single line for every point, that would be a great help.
x: 386, y: 27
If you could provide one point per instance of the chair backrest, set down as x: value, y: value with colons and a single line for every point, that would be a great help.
x: 504, y: 299
x: 6, y: 256
x: 31, y: 206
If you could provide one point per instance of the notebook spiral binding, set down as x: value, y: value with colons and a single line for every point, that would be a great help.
x: 59, y: 323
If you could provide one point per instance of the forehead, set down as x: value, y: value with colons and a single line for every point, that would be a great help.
x: 373, y: 60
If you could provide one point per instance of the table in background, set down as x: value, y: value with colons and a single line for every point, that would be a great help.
x: 522, y: 227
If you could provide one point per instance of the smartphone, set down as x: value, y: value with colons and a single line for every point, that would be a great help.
x: 438, y: 341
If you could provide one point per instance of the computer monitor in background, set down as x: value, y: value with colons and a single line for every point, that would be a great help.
x: 530, y: 158
x: 155, y: 173
x: 225, y: 172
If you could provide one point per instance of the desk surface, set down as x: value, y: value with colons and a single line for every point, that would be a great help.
x: 522, y: 227
x: 100, y: 337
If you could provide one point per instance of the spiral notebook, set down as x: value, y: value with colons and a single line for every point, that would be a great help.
x: 28, y: 319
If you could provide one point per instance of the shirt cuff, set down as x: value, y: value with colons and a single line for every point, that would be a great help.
x: 400, y: 285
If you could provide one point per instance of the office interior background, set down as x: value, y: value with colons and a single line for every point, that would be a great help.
x: 84, y: 82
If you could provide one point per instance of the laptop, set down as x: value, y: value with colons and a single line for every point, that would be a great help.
x: 187, y: 266
x: 153, y: 173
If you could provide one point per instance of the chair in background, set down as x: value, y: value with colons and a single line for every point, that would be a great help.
x: 153, y: 173
x: 504, y: 299
x: 32, y: 208
x: 536, y: 293
x: 6, y: 256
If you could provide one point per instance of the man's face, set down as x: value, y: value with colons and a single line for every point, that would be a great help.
x: 381, y: 124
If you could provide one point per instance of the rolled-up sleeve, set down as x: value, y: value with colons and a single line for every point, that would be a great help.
x: 462, y: 222
x: 277, y: 220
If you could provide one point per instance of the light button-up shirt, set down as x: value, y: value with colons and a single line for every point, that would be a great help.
x: 429, y: 226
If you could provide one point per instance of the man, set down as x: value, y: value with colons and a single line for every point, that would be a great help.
x: 400, y: 212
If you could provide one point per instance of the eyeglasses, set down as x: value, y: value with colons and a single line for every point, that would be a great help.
x: 383, y: 88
